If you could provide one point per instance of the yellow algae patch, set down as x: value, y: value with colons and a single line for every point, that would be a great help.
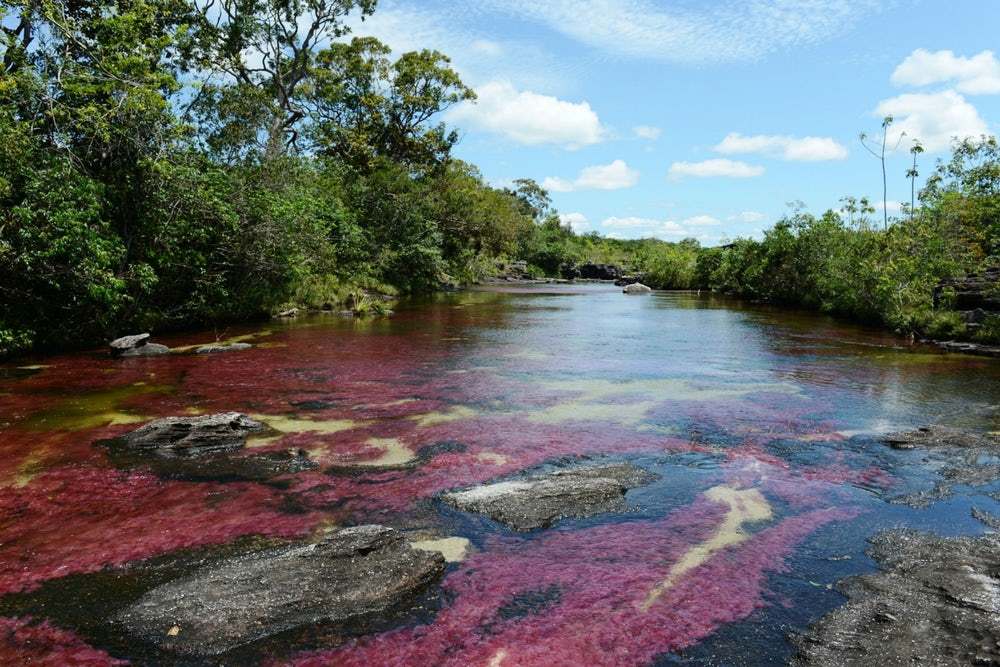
x: 454, y: 413
x: 284, y: 424
x: 394, y: 452
x: 745, y: 506
x: 492, y: 457
x: 93, y: 410
x: 454, y: 549
x: 608, y: 400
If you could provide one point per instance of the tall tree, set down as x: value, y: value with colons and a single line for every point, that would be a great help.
x: 878, y: 150
x: 912, y: 173
x: 260, y: 55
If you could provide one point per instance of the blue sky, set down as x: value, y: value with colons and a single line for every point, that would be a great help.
x: 705, y: 118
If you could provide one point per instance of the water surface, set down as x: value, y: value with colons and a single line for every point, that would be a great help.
x: 760, y: 423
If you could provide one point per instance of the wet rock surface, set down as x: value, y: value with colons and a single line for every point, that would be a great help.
x: 942, y: 437
x: 961, y: 457
x: 351, y: 574
x: 538, y: 501
x: 935, y: 602
x: 192, y: 436
x: 204, y: 448
x: 636, y: 288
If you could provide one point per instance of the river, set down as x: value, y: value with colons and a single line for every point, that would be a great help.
x: 760, y: 424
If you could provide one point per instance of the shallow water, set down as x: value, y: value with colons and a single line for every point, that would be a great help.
x: 760, y: 424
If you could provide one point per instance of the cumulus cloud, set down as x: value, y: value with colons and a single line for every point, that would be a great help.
x: 647, y: 132
x: 975, y: 75
x: 804, y: 149
x: 747, y: 216
x: 576, y: 221
x: 668, y: 230
x: 615, y: 176
x: 935, y: 119
x: 691, y: 31
x: 530, y: 118
x: 700, y: 221
x: 716, y: 167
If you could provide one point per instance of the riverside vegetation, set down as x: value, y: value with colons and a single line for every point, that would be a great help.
x: 178, y: 163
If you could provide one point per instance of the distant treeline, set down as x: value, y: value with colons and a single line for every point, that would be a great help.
x: 850, y: 264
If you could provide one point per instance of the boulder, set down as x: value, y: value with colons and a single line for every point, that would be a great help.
x: 352, y: 574
x: 125, y: 343
x: 192, y: 436
x: 538, y: 501
x: 287, y: 314
x: 636, y: 288
x: 935, y: 602
x: 212, y: 348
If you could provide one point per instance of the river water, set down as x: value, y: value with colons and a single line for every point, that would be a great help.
x: 761, y: 425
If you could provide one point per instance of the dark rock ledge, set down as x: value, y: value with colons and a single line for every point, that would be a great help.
x: 935, y: 602
x: 351, y: 574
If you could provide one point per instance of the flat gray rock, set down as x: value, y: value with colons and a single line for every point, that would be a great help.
x: 119, y: 345
x: 935, y: 602
x: 352, y: 573
x: 539, y: 501
x: 147, y: 350
x: 188, y: 437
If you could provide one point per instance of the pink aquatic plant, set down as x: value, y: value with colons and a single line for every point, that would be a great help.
x: 24, y: 641
x: 80, y: 519
x: 579, y: 597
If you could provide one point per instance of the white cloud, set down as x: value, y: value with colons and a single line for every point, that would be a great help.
x: 716, y: 167
x: 748, y: 216
x: 805, y: 149
x: 975, y: 75
x: 647, y: 132
x: 576, y: 221
x: 700, y: 221
x: 530, y: 118
x: 669, y: 230
x: 935, y: 119
x: 615, y: 176
x: 691, y: 31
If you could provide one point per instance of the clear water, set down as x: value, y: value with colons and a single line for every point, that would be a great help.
x: 760, y: 423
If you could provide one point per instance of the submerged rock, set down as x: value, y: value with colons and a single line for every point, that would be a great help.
x: 192, y: 436
x: 222, y: 347
x: 636, y: 288
x: 935, y: 602
x: 351, y: 574
x: 941, y: 437
x: 957, y: 455
x: 539, y: 501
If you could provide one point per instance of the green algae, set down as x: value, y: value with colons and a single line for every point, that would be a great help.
x: 102, y: 408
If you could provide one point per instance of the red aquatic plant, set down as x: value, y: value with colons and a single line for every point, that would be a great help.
x: 24, y: 641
